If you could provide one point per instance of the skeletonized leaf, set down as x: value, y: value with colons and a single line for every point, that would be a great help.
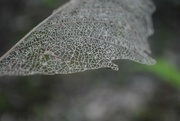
x: 84, y: 35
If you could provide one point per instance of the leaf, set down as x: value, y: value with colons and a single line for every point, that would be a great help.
x: 165, y: 71
x: 84, y: 35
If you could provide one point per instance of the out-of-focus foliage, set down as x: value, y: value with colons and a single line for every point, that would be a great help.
x: 50, y: 3
x: 165, y: 70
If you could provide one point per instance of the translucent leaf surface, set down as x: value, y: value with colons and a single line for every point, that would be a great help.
x: 84, y: 35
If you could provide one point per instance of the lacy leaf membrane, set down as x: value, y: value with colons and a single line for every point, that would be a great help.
x: 84, y: 35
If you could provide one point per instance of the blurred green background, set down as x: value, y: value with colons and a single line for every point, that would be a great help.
x: 134, y: 93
